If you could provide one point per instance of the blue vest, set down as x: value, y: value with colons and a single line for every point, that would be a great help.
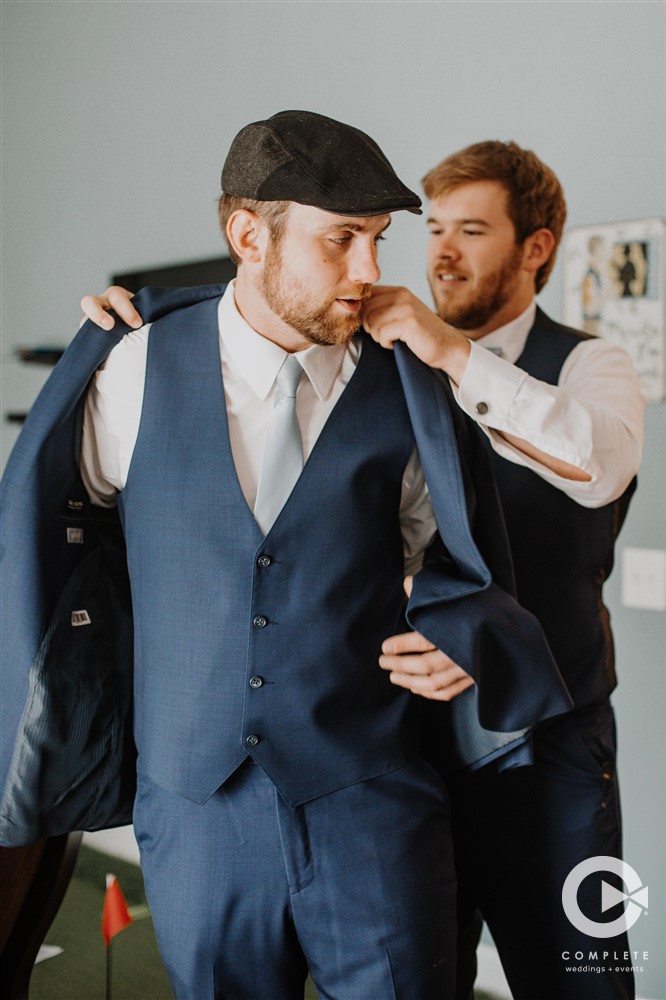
x: 562, y: 552
x: 264, y: 646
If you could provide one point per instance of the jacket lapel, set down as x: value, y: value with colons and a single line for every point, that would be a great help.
x: 456, y: 601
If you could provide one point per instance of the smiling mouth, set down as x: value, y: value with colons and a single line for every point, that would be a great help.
x: 450, y: 279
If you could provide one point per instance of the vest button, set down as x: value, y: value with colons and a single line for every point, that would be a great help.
x: 256, y: 682
x: 264, y: 561
x: 482, y: 408
x: 251, y: 741
x: 259, y: 621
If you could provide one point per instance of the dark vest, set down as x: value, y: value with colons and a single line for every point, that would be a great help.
x: 264, y: 646
x: 562, y: 552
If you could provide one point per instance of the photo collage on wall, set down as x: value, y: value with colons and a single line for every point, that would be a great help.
x: 614, y: 282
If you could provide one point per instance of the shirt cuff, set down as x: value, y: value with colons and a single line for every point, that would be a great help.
x: 502, y: 398
x: 489, y: 387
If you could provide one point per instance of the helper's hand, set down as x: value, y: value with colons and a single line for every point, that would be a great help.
x: 393, y: 313
x: 116, y: 298
x: 414, y: 663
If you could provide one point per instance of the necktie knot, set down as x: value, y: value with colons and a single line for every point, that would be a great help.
x: 288, y: 377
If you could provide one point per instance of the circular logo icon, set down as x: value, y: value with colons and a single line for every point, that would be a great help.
x: 636, y: 897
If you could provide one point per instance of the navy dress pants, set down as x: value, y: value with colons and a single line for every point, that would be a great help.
x: 517, y: 834
x: 357, y: 886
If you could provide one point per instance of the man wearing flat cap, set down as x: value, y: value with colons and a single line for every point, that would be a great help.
x: 268, y: 465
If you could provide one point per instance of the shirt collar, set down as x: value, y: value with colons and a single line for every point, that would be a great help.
x: 258, y: 360
x: 512, y: 336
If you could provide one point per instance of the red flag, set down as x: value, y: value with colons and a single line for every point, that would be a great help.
x: 115, y: 915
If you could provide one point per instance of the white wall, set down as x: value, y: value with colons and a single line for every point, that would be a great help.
x: 117, y: 116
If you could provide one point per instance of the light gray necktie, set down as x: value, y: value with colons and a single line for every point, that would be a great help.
x: 283, y: 453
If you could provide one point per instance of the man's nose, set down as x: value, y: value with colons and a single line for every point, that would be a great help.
x: 363, y: 267
x: 445, y: 247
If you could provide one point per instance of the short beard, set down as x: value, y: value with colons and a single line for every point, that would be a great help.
x: 290, y: 300
x: 493, y: 294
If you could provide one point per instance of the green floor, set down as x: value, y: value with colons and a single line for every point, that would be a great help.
x: 79, y: 973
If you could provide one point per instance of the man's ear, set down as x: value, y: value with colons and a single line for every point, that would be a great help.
x: 539, y: 245
x: 246, y: 233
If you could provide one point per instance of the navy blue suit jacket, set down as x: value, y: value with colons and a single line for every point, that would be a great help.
x: 73, y: 766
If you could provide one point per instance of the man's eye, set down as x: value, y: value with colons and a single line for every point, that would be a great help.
x: 340, y: 240
x: 472, y: 232
x: 379, y: 238
x: 435, y: 232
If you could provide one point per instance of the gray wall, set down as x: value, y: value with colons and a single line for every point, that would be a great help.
x: 117, y: 116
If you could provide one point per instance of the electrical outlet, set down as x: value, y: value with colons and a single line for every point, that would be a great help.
x: 644, y: 579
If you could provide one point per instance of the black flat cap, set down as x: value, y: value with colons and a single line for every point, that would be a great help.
x: 313, y: 160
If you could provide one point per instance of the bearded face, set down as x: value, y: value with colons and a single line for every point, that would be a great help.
x: 469, y: 300
x: 320, y: 270
x: 322, y: 319
x: 476, y: 268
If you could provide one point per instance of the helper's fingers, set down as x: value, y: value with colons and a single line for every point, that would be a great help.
x: 121, y: 300
x: 116, y: 298
x: 384, y: 314
x: 406, y: 642
x: 94, y: 309
x: 413, y: 664
x: 433, y: 687
x: 382, y: 296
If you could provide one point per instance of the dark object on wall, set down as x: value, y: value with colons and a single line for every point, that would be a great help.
x: 39, y: 355
x: 47, y: 355
x: 34, y: 880
x: 210, y: 271
x: 213, y: 271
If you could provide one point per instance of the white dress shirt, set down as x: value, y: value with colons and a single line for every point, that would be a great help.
x: 250, y: 364
x: 592, y: 419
